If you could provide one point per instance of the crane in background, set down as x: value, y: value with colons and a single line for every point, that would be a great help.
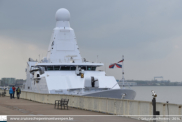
x: 158, y: 77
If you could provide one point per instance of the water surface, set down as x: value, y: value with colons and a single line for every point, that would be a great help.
x: 173, y: 94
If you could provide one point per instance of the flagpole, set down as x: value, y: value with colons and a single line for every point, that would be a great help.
x: 123, y: 70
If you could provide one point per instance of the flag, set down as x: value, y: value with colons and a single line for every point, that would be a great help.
x: 111, y: 66
x: 121, y: 61
x: 118, y: 65
x: 115, y: 64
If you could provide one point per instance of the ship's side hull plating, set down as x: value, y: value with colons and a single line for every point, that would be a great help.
x: 114, y: 93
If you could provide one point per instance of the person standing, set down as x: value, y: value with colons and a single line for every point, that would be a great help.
x: 18, y: 92
x: 11, y: 92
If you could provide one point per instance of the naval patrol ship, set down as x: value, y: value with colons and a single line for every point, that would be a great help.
x: 64, y: 71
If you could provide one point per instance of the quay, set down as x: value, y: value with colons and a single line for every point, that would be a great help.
x: 26, y: 107
x: 92, y: 108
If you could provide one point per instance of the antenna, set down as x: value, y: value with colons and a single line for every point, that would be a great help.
x: 39, y: 57
x: 42, y: 56
x: 123, y: 70
x: 97, y: 58
x: 105, y: 68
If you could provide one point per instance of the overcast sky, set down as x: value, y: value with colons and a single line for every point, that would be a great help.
x: 147, y: 33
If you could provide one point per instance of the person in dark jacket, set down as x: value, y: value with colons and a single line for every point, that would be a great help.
x: 18, y: 92
x: 11, y: 92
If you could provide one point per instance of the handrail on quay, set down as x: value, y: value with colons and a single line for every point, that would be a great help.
x: 106, y: 105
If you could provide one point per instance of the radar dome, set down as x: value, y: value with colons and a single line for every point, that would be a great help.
x: 62, y: 15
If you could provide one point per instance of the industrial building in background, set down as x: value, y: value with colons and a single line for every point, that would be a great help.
x: 11, y: 82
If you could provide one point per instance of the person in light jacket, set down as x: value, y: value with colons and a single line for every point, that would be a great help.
x: 11, y: 92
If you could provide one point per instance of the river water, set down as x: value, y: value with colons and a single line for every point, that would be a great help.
x: 164, y: 93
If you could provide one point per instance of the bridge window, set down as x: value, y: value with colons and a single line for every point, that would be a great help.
x: 56, y: 67
x: 49, y: 68
x: 91, y: 68
x: 83, y: 67
x: 65, y: 67
x: 73, y: 68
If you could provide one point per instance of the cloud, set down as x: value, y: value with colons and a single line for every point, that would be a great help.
x: 14, y: 56
x: 148, y: 33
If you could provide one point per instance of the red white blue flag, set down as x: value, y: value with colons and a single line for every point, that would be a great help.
x: 121, y: 61
x: 116, y: 64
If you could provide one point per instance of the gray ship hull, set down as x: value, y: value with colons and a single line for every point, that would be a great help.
x: 114, y: 93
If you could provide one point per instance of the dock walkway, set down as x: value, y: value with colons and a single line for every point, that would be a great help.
x: 25, y: 107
